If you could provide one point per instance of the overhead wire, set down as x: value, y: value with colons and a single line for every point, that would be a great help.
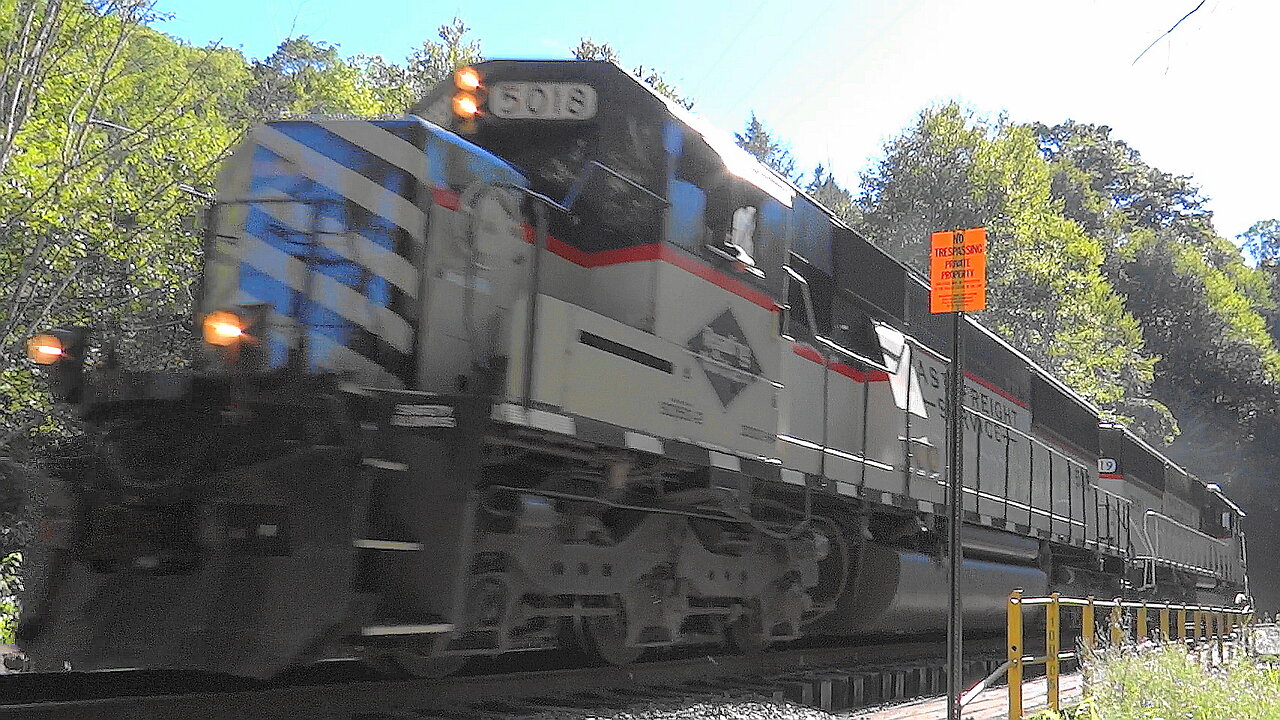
x: 774, y: 67
x: 858, y: 50
x: 1166, y: 32
x: 732, y: 42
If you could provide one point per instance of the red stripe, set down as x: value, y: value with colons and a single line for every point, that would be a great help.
x: 1111, y: 476
x: 808, y: 353
x: 641, y: 253
x: 446, y: 199
x: 861, y: 376
x: 670, y: 255
x: 997, y: 390
x: 848, y: 371
x: 650, y: 253
x: 984, y: 383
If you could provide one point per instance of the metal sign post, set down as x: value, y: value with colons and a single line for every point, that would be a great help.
x: 955, y: 465
x: 958, y: 282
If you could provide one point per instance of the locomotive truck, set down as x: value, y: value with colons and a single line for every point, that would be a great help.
x: 551, y: 362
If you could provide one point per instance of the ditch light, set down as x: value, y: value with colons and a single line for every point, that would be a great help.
x: 237, y: 336
x: 62, y: 352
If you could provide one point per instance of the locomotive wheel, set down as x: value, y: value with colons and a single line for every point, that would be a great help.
x: 426, y: 667
x: 744, y: 636
x: 418, y: 662
x: 604, y: 637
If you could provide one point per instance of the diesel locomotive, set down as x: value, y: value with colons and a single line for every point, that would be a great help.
x: 550, y: 362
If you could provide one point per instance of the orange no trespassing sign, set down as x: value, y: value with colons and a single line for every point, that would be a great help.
x: 958, y: 270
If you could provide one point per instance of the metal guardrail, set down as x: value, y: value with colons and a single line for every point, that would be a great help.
x: 1186, y: 624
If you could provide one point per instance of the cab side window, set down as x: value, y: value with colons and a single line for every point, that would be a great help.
x: 721, y: 217
x: 852, y: 328
x: 814, y: 294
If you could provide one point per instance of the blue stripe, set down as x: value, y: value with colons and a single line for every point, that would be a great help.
x: 455, y: 163
x: 376, y: 227
x: 377, y: 288
x: 350, y: 156
x: 283, y: 299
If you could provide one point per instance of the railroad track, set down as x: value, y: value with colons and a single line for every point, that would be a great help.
x: 834, y: 678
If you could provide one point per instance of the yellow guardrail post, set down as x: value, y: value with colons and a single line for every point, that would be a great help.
x: 1246, y: 631
x: 1117, y: 635
x: 1087, y: 624
x: 1164, y: 624
x: 1015, y: 655
x: 1051, y: 643
x: 1182, y: 624
x: 1232, y: 642
x: 1220, y: 623
x: 1230, y: 619
x: 1142, y: 623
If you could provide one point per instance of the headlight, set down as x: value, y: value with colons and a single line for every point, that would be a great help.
x: 62, y: 351
x: 223, y: 328
x: 467, y: 79
x: 45, y: 349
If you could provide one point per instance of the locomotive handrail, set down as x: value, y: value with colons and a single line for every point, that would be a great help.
x: 1123, y: 518
x: 1159, y: 515
x: 850, y: 353
x: 1218, y: 624
x: 1157, y: 556
x: 1070, y: 460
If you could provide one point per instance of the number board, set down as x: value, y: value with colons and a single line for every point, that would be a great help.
x: 958, y: 271
x: 543, y: 101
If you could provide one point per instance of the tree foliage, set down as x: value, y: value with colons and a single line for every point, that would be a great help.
x: 756, y: 139
x: 1262, y: 242
x: 434, y: 62
x: 824, y: 188
x: 588, y: 49
x: 1048, y: 294
x: 97, y: 227
x: 1179, y: 278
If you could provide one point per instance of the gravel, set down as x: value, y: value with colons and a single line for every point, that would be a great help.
x: 735, y: 709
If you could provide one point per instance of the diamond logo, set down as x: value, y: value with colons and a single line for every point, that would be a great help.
x: 725, y: 356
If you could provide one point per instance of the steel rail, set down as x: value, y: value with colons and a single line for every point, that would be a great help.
x: 348, y: 699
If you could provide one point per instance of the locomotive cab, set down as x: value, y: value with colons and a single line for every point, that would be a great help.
x: 663, y: 254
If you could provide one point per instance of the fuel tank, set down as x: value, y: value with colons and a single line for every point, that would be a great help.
x: 898, y: 591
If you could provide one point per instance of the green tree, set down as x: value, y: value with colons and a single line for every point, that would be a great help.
x: 98, y: 229
x: 303, y: 77
x: 389, y: 83
x: 588, y: 49
x: 1178, y: 276
x: 1262, y: 242
x: 756, y: 139
x: 434, y: 62
x: 1047, y: 294
x: 824, y: 188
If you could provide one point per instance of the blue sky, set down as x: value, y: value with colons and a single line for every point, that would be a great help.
x: 835, y: 79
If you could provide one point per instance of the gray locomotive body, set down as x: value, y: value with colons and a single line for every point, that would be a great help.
x: 550, y: 362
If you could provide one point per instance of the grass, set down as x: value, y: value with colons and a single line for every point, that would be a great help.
x: 1170, y: 683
